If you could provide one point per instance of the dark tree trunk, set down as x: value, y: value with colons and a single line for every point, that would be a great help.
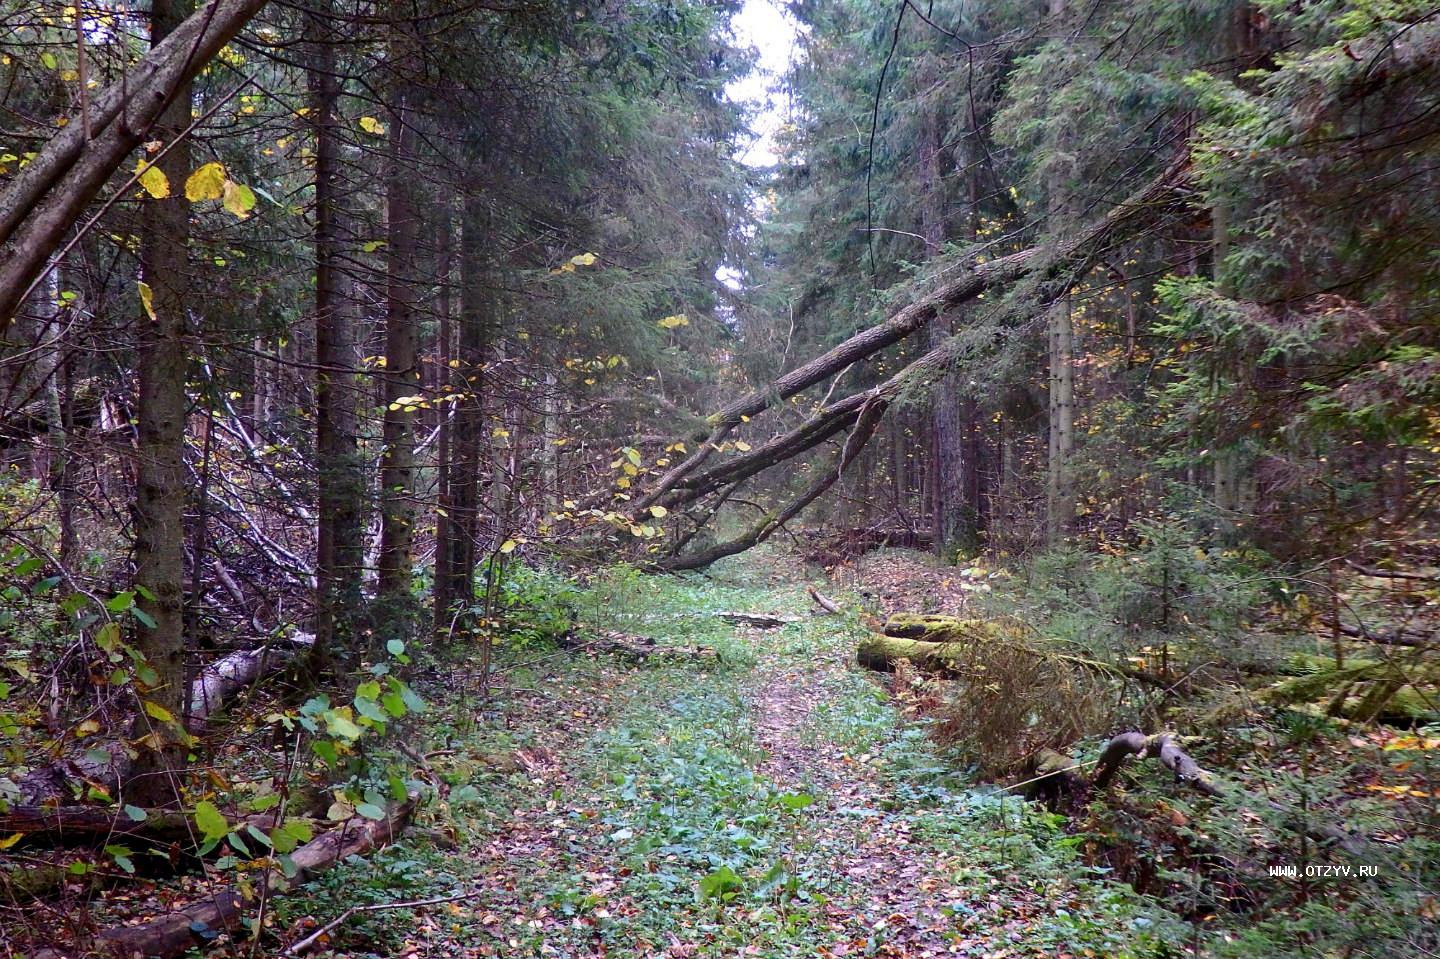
x: 402, y: 375
x: 340, y: 474
x: 162, y: 362
x: 463, y: 528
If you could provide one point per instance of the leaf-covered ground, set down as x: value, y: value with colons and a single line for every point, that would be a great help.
x: 763, y: 803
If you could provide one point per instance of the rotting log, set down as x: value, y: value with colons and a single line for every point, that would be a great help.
x: 880, y: 652
x: 757, y: 620
x: 175, y: 932
x: 936, y: 628
x: 222, y: 679
x: 61, y: 824
x: 629, y: 646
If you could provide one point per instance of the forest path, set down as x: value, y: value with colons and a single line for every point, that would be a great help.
x: 767, y: 802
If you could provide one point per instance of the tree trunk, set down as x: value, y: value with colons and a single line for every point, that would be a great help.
x: 1161, y: 196
x: 462, y: 528
x: 179, y: 931
x: 1060, y: 490
x: 949, y: 530
x: 162, y: 362
x: 444, y: 593
x: 340, y: 473
x: 402, y: 378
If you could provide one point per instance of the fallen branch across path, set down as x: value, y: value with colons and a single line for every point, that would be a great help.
x: 300, y: 947
x: 631, y: 647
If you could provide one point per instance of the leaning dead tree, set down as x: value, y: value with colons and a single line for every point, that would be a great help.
x: 688, y: 484
x: 47, y: 197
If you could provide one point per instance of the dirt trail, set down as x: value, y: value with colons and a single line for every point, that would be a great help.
x: 888, y: 886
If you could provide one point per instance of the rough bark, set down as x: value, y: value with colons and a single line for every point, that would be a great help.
x: 46, y: 198
x: 339, y: 472
x: 162, y: 361
x: 463, y: 525
x: 402, y: 375
x: 1060, y: 336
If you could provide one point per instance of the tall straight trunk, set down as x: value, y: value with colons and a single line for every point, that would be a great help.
x: 1060, y: 488
x: 159, y: 514
x: 466, y: 457
x: 1227, y: 461
x: 1060, y: 336
x: 59, y: 417
x: 402, y: 373
x: 444, y: 595
x: 340, y: 476
x: 950, y: 531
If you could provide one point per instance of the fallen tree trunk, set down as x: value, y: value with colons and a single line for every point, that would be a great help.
x: 175, y: 932
x: 222, y: 679
x: 1163, y: 195
x: 1414, y: 638
x: 937, y: 628
x: 880, y: 652
x: 865, y: 425
x: 90, y: 823
x: 107, y: 765
x: 629, y: 646
x: 758, y: 620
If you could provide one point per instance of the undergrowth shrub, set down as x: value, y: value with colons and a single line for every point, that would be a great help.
x: 536, y: 604
x: 1016, y: 697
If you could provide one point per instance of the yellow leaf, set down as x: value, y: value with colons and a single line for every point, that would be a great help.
x: 147, y: 298
x: 742, y: 446
x: 206, y: 183
x: 87, y: 728
x: 508, y: 546
x: 671, y: 322
x: 659, y: 512
x: 156, y: 711
x: 153, y: 179
x: 239, y: 199
x: 584, y: 259
x: 372, y: 126
x: 9, y: 841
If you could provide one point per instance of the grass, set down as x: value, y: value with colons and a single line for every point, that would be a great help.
x: 664, y: 832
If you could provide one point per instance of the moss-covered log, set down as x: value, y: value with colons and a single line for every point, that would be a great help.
x: 881, y: 652
x: 934, y: 628
x: 1365, y: 690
